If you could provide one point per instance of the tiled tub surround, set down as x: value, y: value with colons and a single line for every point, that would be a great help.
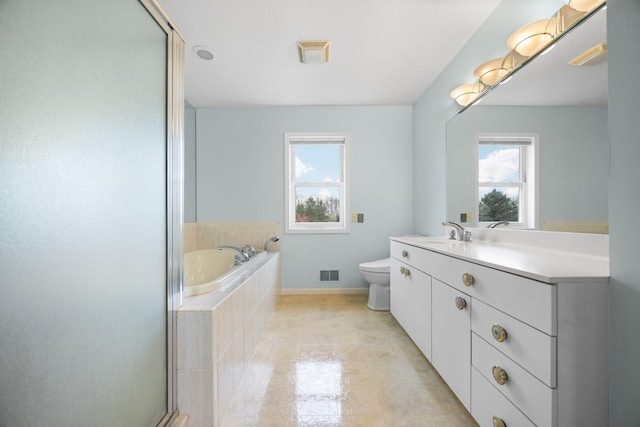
x: 210, y: 235
x: 514, y: 322
x: 217, y: 334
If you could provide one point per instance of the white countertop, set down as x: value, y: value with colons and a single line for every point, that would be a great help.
x: 534, y: 262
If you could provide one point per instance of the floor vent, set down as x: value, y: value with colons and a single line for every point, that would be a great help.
x: 329, y: 275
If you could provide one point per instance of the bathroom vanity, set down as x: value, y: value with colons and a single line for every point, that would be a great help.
x: 518, y: 331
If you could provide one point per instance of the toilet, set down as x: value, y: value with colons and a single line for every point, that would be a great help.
x: 377, y: 274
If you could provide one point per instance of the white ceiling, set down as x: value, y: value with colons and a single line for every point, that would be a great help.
x: 383, y: 52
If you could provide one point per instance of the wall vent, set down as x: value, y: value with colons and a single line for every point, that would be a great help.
x: 329, y: 275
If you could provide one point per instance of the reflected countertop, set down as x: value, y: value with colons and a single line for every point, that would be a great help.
x: 538, y: 263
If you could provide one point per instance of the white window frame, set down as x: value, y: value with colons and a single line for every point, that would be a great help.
x: 529, y: 169
x: 290, y: 141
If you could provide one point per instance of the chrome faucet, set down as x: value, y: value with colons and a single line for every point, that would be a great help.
x: 495, y: 224
x: 271, y: 240
x: 458, y: 233
x: 249, y: 251
x: 240, y: 255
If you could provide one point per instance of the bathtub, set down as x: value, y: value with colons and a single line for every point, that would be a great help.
x: 206, y: 270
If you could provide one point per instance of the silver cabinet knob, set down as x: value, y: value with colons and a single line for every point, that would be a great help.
x: 460, y: 303
x: 405, y: 254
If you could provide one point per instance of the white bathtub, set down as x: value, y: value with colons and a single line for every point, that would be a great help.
x: 206, y: 270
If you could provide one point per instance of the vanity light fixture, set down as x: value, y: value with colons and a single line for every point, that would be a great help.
x: 567, y: 17
x: 585, y: 5
x: 314, y: 52
x: 492, y: 71
x: 527, y: 42
x: 467, y: 93
x: 531, y: 38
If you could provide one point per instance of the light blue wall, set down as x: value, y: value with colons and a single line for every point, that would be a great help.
x: 573, y: 152
x: 435, y: 107
x: 624, y: 205
x: 240, y: 177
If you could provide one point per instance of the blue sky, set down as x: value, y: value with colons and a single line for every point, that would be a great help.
x: 317, y: 163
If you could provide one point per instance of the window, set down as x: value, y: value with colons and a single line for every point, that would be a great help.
x: 506, y: 180
x: 316, y: 183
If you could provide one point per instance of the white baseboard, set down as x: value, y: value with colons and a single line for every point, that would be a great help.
x: 324, y: 291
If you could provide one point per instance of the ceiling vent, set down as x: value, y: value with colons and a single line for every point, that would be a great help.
x: 593, y: 56
x: 314, y: 52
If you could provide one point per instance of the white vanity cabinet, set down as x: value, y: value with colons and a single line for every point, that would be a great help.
x: 518, y: 335
x: 451, y: 347
x: 410, y: 297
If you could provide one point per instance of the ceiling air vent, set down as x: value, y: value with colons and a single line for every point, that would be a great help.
x: 593, y: 56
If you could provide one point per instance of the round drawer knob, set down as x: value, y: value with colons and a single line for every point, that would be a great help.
x: 497, y: 422
x: 460, y: 303
x: 467, y: 279
x: 499, y: 333
x: 500, y: 375
x: 405, y: 254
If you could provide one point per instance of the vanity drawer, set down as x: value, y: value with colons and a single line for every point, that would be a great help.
x: 530, y: 301
x: 487, y: 403
x: 530, y: 348
x: 536, y: 400
x: 419, y: 258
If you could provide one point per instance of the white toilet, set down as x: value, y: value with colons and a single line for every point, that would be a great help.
x: 377, y: 274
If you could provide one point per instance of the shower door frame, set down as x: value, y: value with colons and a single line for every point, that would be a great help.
x: 175, y: 194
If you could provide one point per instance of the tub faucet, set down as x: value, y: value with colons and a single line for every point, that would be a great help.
x: 249, y: 251
x: 240, y: 256
x: 459, y: 233
x: 271, y: 240
x: 495, y: 224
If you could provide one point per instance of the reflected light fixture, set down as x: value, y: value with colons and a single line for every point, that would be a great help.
x: 314, y: 52
x: 566, y: 17
x: 531, y: 38
x: 467, y: 93
x: 492, y: 71
x: 585, y: 5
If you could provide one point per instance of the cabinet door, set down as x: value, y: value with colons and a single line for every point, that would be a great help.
x: 411, y: 303
x: 451, y: 345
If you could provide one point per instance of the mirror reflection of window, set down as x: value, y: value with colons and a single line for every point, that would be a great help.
x: 506, y: 181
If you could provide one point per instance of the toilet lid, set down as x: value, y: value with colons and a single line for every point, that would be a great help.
x: 378, y: 266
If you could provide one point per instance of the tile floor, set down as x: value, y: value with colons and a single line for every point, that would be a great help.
x: 327, y: 360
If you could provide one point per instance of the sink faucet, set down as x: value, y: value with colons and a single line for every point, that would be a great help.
x: 459, y: 233
x: 240, y: 255
x: 495, y: 224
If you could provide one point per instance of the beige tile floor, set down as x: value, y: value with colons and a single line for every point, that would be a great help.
x: 327, y: 360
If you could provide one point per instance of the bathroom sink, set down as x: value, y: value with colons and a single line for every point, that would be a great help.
x: 433, y: 240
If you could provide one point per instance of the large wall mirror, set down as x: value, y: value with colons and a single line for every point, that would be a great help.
x: 564, y: 107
